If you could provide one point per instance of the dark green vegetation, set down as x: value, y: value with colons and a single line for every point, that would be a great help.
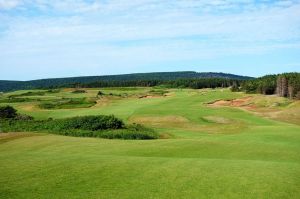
x: 66, y: 103
x: 79, y: 91
x: 138, y: 79
x: 42, y: 97
x: 26, y: 96
x: 195, y: 83
x: 34, y: 93
x: 7, y: 112
x: 219, y: 144
x: 285, y: 85
x: 10, y: 113
x: 87, y: 126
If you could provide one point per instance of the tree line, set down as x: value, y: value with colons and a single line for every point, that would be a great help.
x: 195, y: 83
x: 284, y: 85
x: 125, y: 78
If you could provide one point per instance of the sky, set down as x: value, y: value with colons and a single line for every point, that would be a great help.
x: 64, y: 38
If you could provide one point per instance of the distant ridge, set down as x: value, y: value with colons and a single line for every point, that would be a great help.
x: 6, y: 85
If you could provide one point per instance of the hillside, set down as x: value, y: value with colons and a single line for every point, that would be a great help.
x: 53, y: 82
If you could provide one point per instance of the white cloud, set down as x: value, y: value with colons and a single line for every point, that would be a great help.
x: 130, y: 33
x: 9, y: 4
x: 260, y: 26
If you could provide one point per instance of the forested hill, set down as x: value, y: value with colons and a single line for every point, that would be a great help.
x: 162, y: 76
x: 9, y: 85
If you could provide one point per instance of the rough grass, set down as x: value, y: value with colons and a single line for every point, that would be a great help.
x: 68, y: 103
x: 277, y: 108
x: 248, y: 156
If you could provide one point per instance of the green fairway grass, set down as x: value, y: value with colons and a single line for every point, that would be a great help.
x: 207, y: 152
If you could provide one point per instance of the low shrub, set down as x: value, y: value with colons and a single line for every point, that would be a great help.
x: 67, y: 103
x: 158, y: 92
x: 125, y: 134
x: 79, y: 91
x: 16, y: 100
x: 7, y: 112
x: 100, y: 93
x: 93, y: 123
x: 53, y: 91
x: 23, y: 117
x: 100, y: 126
x: 29, y: 93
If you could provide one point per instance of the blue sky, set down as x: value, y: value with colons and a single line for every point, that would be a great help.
x: 62, y: 38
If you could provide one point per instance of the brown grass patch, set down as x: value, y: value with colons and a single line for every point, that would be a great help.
x: 216, y: 119
x: 170, y: 120
x: 151, y: 96
x: 6, y: 137
x: 29, y: 107
x: 103, y: 101
x: 165, y: 136
x: 290, y: 114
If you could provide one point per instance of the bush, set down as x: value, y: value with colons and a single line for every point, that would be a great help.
x: 101, y: 126
x: 92, y: 123
x: 30, y: 93
x: 16, y: 99
x: 7, y: 112
x: 68, y: 103
x: 127, y: 134
x: 100, y: 93
x: 53, y: 91
x: 79, y: 91
x: 234, y: 88
x: 158, y: 92
x: 111, y: 134
x: 23, y: 117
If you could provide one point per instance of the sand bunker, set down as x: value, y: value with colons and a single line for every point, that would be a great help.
x: 241, y: 102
